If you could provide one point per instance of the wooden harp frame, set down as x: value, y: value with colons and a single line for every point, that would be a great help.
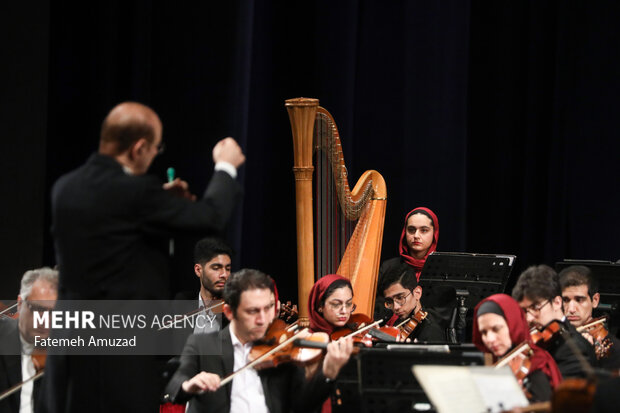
x: 361, y: 259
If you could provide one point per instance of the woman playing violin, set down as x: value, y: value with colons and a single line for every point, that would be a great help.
x: 499, y: 326
x: 330, y: 304
x: 402, y: 295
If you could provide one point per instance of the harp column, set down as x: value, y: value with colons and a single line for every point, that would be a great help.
x: 302, y: 113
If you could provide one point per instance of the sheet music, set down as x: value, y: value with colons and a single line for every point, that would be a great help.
x: 458, y: 389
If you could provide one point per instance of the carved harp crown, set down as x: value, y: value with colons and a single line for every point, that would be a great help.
x: 343, y: 227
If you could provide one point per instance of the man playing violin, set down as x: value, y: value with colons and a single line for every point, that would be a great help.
x: 579, y: 297
x: 38, y: 292
x: 403, y: 296
x: 538, y: 293
x: 207, y: 358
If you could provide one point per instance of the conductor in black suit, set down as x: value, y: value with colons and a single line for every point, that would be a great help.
x: 38, y: 292
x: 207, y: 358
x: 111, y: 225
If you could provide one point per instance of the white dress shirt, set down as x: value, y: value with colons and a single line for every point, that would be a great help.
x: 28, y: 370
x: 247, y: 393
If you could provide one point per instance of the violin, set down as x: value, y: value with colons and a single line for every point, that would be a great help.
x: 543, y: 337
x: 519, y: 361
x: 296, y: 350
x: 407, y: 326
x: 601, y: 340
x: 365, y: 332
x: 281, y: 346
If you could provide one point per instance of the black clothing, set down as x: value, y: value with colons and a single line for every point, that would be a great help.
x: 441, y: 299
x: 285, y: 387
x: 11, y: 367
x: 564, y: 357
x: 607, y: 396
x: 538, y: 385
x: 428, y: 331
x: 612, y: 360
x: 10, y: 363
x: 111, y: 232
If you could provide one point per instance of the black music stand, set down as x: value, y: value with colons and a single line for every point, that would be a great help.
x: 472, y: 276
x: 608, y: 275
x: 380, y: 379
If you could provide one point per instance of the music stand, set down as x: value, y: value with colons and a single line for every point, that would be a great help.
x: 472, y: 276
x: 380, y: 379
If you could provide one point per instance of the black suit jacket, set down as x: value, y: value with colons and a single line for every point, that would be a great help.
x: 111, y: 230
x: 565, y: 358
x: 285, y: 386
x: 11, y: 366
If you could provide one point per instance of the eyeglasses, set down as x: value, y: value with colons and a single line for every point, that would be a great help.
x: 161, y: 147
x: 36, y: 308
x: 535, y: 308
x: 337, y: 305
x: 397, y: 299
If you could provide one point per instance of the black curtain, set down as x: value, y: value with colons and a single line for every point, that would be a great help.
x: 499, y: 116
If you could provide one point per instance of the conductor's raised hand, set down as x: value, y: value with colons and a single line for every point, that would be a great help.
x: 228, y: 150
x: 201, y: 382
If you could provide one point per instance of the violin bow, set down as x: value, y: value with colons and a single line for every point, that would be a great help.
x: 262, y: 357
x: 189, y: 315
x: 18, y: 386
x: 6, y: 310
x: 591, y: 324
x: 361, y: 330
x: 514, y: 353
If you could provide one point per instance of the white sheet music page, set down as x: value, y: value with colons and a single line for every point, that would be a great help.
x: 463, y: 389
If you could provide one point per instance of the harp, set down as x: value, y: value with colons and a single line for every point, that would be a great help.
x: 338, y: 230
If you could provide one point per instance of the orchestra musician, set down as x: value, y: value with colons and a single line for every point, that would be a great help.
x: 330, y: 304
x: 417, y: 240
x: 580, y: 296
x: 538, y: 293
x: 38, y: 292
x: 212, y: 263
x: 403, y: 296
x: 499, y: 325
x: 207, y: 358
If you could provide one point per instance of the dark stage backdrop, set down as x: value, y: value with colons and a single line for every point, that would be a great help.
x: 502, y: 117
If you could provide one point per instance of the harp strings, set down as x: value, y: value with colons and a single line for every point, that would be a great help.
x: 339, y: 218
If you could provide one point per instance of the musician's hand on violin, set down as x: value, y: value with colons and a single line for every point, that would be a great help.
x: 338, y: 353
x: 588, y: 337
x: 201, y: 382
x: 179, y: 188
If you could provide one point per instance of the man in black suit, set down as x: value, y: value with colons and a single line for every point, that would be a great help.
x: 207, y: 358
x: 538, y: 292
x: 111, y: 225
x: 38, y: 292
